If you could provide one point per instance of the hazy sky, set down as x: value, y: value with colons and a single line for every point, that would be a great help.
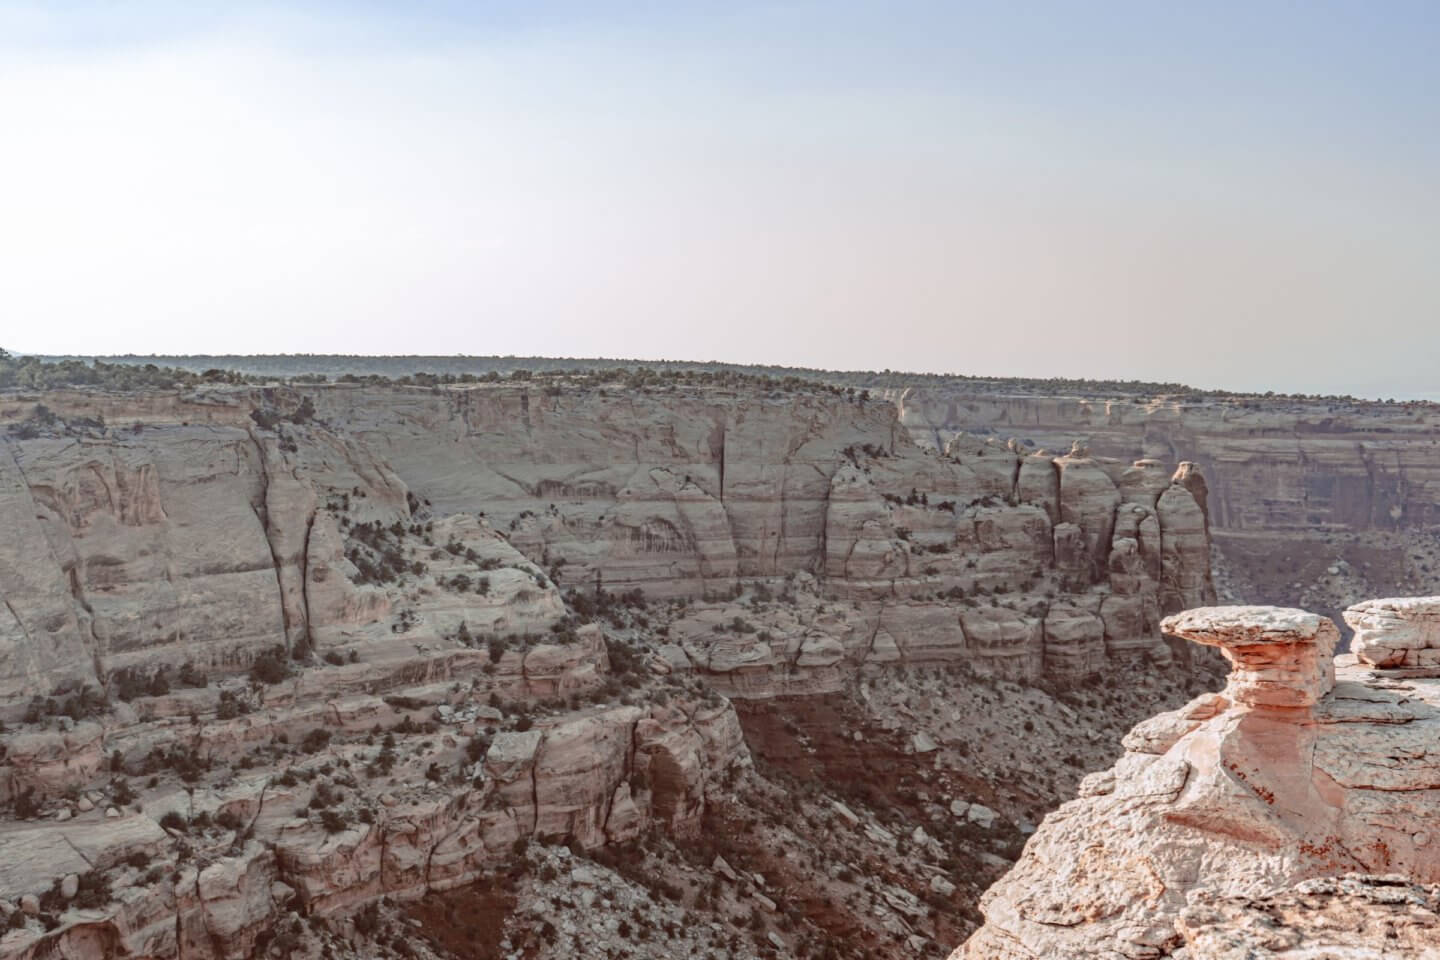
x: 1230, y: 194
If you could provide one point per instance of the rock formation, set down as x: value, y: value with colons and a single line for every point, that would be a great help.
x: 1272, y: 465
x: 1231, y: 826
x: 1402, y: 632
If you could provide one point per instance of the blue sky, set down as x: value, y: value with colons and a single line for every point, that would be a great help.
x: 1240, y: 195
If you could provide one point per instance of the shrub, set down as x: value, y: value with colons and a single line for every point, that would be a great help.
x: 332, y: 821
x: 189, y: 676
x: 174, y: 821
x: 270, y: 667
x: 367, y: 921
x: 316, y: 740
x: 231, y: 706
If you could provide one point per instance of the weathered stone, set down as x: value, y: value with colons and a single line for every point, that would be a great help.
x: 1290, y: 775
x: 1395, y: 632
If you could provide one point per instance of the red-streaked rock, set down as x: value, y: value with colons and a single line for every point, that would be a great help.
x: 1282, y: 657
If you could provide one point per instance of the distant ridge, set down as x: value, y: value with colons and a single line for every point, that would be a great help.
x: 401, y: 365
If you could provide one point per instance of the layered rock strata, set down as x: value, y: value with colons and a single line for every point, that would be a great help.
x: 1296, y: 771
x: 215, y: 526
x: 1273, y: 464
x: 241, y: 850
x: 1401, y: 633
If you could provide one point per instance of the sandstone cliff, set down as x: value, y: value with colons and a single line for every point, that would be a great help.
x: 198, y: 534
x: 1311, y: 502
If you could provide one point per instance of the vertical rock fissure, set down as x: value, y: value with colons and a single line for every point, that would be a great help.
x: 535, y: 788
x: 870, y: 647
x: 262, y: 513
x: 721, y: 459
x: 77, y: 594
x: 305, y: 579
x: 30, y: 642
x: 780, y: 534
x: 822, y: 560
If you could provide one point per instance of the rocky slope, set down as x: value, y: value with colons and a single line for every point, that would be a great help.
x: 1231, y: 826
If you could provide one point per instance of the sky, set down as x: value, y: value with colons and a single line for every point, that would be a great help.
x: 1242, y: 195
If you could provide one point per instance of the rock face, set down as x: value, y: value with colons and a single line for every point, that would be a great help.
x: 1278, y: 657
x: 591, y: 778
x: 1297, y: 774
x: 1399, y: 632
x: 1310, y: 502
x: 1354, y: 916
x: 208, y: 536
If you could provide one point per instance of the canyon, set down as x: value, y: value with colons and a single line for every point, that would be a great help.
x: 714, y: 666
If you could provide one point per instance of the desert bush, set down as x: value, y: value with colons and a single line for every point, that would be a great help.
x: 270, y: 667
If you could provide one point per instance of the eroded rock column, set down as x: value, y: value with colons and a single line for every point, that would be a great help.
x: 1280, y: 656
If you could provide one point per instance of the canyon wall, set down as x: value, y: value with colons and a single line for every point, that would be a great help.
x: 184, y: 530
x: 1312, y: 502
x: 1272, y: 464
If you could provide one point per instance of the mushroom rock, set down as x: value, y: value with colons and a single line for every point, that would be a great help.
x: 1280, y: 657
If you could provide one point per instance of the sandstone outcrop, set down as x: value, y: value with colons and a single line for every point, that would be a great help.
x: 1271, y: 464
x: 589, y: 778
x: 1398, y: 633
x: 1298, y: 773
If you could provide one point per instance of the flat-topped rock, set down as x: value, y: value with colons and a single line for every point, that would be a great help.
x: 1242, y: 626
x: 1282, y: 657
x: 1396, y: 632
